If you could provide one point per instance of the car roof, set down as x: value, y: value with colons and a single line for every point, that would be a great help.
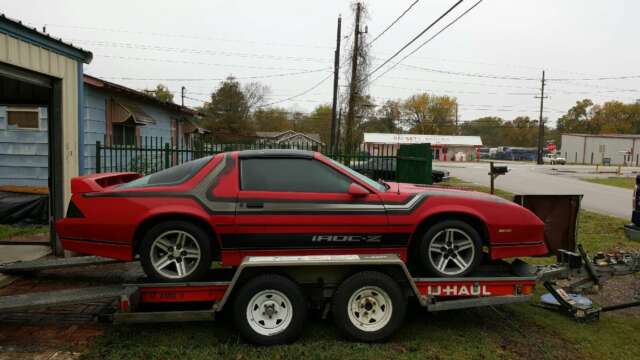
x: 276, y: 153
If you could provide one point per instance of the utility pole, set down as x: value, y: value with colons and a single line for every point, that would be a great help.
x: 541, y: 123
x: 457, y: 129
x: 338, y: 124
x: 351, y: 114
x: 336, y: 74
x: 182, y: 90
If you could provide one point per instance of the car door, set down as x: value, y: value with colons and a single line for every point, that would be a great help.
x: 302, y: 204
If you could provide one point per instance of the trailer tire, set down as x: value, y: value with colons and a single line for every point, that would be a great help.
x: 183, y: 246
x: 369, y: 306
x: 270, y: 310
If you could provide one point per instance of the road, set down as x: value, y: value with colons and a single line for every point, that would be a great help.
x: 533, y: 179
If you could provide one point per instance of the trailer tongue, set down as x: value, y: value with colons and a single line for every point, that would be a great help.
x: 365, y: 293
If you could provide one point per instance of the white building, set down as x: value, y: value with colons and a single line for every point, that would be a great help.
x: 445, y: 147
x: 616, y: 149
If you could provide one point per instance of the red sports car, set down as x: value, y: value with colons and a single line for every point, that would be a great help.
x: 286, y: 202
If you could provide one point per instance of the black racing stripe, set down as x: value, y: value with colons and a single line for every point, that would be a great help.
x: 309, y: 241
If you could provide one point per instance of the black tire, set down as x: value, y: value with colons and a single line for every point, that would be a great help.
x: 254, y: 287
x: 459, y: 227
x: 341, y: 307
x: 195, y: 231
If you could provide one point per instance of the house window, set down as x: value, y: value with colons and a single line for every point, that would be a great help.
x: 23, y: 118
x: 123, y: 134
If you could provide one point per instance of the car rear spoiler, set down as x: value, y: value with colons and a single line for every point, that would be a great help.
x: 99, y: 182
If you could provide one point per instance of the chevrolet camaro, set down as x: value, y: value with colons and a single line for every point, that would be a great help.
x: 287, y: 202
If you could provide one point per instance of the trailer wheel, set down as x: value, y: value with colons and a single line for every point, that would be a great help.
x: 175, y: 251
x: 269, y: 310
x: 369, y: 306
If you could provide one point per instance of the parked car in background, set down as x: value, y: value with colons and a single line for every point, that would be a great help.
x: 632, y: 231
x: 287, y: 202
x: 554, y: 159
x: 385, y: 169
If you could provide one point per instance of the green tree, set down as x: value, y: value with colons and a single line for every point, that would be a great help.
x: 387, y: 118
x: 161, y: 92
x: 227, y: 114
x: 577, y: 119
x: 490, y: 130
x: 271, y: 119
x: 319, y: 122
x: 430, y: 114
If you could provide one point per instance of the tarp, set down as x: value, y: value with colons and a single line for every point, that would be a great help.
x: 21, y: 208
x: 560, y: 216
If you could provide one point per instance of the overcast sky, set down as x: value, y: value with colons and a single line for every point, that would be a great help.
x: 209, y: 40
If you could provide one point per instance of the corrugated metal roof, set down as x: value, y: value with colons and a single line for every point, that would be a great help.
x: 386, y: 138
x: 17, y: 29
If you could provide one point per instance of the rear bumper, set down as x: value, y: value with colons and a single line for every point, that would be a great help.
x: 98, y: 248
x: 632, y: 232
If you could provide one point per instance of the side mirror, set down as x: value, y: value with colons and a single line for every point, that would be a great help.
x: 357, y: 191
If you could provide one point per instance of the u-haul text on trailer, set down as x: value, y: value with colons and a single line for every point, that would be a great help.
x: 458, y: 290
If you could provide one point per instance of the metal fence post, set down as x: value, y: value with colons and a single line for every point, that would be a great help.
x: 167, y: 155
x: 98, y: 156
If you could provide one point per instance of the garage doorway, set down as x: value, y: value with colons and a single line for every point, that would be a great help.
x: 22, y: 90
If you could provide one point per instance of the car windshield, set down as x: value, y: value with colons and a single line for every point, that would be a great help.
x: 171, y: 176
x: 370, y: 182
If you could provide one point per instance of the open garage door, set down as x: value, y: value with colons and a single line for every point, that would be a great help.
x: 27, y: 137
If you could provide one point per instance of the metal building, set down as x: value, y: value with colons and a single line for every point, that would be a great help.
x: 608, y: 149
x: 38, y: 70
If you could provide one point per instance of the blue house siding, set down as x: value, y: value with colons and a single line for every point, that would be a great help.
x: 24, y: 153
x: 96, y: 126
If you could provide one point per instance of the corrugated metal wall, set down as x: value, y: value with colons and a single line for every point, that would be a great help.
x: 34, y: 58
x: 593, y: 149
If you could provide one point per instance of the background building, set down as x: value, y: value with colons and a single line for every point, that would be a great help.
x: 614, y: 149
x: 445, y: 147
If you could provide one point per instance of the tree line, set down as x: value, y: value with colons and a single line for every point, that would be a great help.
x: 235, y: 112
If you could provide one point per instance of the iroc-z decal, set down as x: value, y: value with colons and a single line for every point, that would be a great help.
x: 347, y: 238
x: 310, y: 240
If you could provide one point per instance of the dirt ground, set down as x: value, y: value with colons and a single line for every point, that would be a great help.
x: 61, y: 332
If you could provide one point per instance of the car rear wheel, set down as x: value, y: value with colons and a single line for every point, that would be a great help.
x: 450, y: 248
x: 175, y: 251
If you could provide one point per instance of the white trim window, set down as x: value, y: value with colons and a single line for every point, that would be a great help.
x: 23, y: 118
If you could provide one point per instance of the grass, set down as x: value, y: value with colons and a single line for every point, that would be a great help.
x: 508, y: 332
x: 623, y: 182
x: 7, y: 231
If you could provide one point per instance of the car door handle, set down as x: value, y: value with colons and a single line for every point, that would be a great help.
x: 254, y: 205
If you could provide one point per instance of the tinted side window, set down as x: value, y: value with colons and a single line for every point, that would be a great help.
x: 296, y: 175
x: 170, y: 176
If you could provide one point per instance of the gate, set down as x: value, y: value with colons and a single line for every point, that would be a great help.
x: 414, y: 164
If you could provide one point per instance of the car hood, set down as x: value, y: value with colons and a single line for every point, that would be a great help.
x: 407, y: 188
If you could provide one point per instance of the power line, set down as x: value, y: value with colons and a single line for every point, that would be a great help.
x: 171, y: 61
x: 214, y: 79
x: 623, y: 77
x: 477, y: 75
x: 415, y: 38
x: 185, y: 36
x: 394, y: 22
x: 139, y: 46
x: 428, y: 40
x: 300, y: 94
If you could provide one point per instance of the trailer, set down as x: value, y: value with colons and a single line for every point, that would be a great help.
x: 366, y: 295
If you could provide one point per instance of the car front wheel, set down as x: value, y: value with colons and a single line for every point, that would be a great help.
x: 450, y: 248
x: 175, y: 251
